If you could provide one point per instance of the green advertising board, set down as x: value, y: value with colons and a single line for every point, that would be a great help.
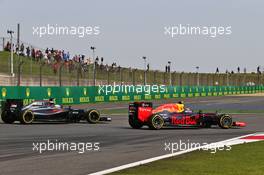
x: 94, y: 94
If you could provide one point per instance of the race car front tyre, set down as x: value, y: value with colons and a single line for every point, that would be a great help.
x: 156, y: 122
x: 134, y: 123
x: 225, y: 121
x: 92, y: 116
x: 6, y: 118
x: 27, y: 117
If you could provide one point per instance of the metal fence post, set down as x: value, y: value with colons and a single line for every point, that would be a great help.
x: 188, y: 79
x: 154, y: 78
x: 181, y: 74
x: 78, y: 73
x: 120, y: 76
x: 164, y: 77
x: 87, y: 78
x: 19, y: 73
x: 198, y: 79
x: 173, y: 78
x: 133, y: 76
x: 258, y: 79
x: 3, y: 43
x: 40, y: 73
x: 60, y: 69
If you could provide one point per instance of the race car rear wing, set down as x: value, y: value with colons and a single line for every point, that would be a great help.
x: 140, y: 111
x: 12, y: 104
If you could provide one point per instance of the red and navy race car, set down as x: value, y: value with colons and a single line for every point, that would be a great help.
x: 46, y: 110
x: 176, y: 115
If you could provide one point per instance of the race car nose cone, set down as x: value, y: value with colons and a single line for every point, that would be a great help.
x: 240, y: 124
x: 108, y: 119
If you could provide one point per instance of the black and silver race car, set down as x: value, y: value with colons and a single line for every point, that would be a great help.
x: 46, y: 110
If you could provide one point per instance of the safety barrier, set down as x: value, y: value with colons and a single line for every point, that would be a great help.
x: 92, y: 94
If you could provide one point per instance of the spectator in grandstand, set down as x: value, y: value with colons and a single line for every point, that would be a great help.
x: 96, y: 60
x: 17, y: 49
x: 22, y: 49
x: 52, y: 51
x: 88, y: 61
x: 38, y: 55
x: 32, y: 52
x: 47, y: 51
x: 217, y: 70
x: 28, y: 51
x: 68, y: 56
x: 245, y: 70
x: 258, y: 70
x: 82, y: 58
x: 8, y: 46
x: 113, y: 65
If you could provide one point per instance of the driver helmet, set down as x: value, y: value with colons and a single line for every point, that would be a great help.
x: 180, y: 102
x: 51, y: 101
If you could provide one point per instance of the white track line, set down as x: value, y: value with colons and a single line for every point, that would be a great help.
x: 142, y: 162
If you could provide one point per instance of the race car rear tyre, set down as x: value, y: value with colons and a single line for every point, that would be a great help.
x: 134, y: 123
x: 156, y: 122
x: 9, y: 119
x: 27, y: 117
x: 92, y: 116
x: 225, y: 121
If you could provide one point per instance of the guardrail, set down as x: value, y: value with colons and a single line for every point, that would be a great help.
x: 93, y: 94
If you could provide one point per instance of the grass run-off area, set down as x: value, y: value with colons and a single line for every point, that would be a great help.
x: 245, y: 159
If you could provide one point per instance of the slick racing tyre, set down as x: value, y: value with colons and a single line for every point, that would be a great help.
x: 225, y: 121
x: 27, y: 117
x: 156, y: 122
x: 134, y: 123
x: 92, y: 116
x: 7, y: 118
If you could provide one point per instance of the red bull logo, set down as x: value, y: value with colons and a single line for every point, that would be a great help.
x: 185, y: 120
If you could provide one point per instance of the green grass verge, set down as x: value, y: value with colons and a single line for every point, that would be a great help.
x: 245, y: 159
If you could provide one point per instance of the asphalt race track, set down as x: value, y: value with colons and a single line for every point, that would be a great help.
x: 119, y: 144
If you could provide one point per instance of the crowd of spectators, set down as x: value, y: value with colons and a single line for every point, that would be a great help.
x: 55, y: 58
